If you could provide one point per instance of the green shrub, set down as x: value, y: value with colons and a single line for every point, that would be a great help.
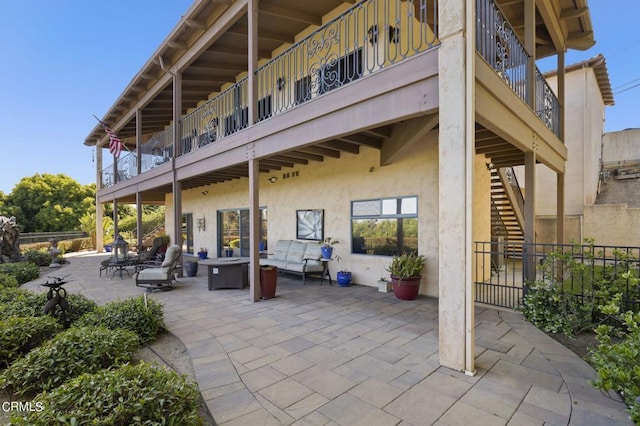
x: 24, y: 303
x: 548, y: 306
x: 79, y: 305
x: 18, y: 302
x: 615, y: 359
x: 40, y: 257
x: 130, y: 395
x: 22, y: 271
x: 18, y: 335
x: 70, y: 353
x: 7, y: 280
x: 139, y: 314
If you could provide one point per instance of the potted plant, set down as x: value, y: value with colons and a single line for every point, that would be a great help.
x: 327, y: 247
x: 203, y: 253
x: 406, y: 273
x: 344, y: 278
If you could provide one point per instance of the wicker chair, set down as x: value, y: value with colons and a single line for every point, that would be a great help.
x: 160, y: 278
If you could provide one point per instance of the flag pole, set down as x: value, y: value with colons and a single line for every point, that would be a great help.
x: 105, y: 126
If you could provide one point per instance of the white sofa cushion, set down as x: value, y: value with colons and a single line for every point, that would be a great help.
x: 282, y: 248
x: 296, y: 252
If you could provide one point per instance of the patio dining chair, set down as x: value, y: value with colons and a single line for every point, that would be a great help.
x: 160, y: 278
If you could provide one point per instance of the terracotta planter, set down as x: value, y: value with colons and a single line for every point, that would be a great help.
x: 406, y: 288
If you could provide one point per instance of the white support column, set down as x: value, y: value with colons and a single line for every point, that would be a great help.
x: 530, y: 212
x: 252, y: 48
x: 456, y: 158
x: 254, y: 231
x: 99, y: 206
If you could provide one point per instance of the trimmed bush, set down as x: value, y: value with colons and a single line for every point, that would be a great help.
x: 18, y: 302
x: 18, y: 335
x: 130, y: 395
x: 70, y: 353
x: 22, y: 271
x: 7, y: 280
x: 140, y: 315
x: 79, y: 305
x: 40, y: 257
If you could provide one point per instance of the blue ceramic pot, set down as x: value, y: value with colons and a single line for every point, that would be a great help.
x: 344, y: 278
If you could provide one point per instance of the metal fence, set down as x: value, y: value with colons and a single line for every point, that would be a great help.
x: 498, y: 44
x: 588, y: 272
x: 39, y: 237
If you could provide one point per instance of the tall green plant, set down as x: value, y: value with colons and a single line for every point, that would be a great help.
x: 406, y: 265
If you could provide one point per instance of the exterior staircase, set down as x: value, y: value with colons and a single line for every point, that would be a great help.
x: 507, y: 207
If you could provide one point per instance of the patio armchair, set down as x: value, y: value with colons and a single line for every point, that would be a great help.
x: 160, y: 278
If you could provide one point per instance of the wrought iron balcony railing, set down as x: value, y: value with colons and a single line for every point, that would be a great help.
x: 157, y: 150
x: 366, y: 38
x: 498, y: 44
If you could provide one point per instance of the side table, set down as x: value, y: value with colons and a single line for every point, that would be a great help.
x: 325, y: 271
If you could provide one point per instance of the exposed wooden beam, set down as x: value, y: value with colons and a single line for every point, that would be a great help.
x: 288, y: 13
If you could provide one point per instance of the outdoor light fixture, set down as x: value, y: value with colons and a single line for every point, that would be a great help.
x: 280, y: 83
x: 205, y: 192
x: 120, y: 250
x: 373, y: 34
x: 201, y: 223
x: 273, y: 179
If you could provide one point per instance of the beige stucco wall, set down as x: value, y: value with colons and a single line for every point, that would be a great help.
x: 621, y: 146
x: 612, y: 224
x: 332, y: 185
x: 546, y: 229
x: 583, y: 135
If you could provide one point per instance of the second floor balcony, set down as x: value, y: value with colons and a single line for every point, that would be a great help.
x: 346, y: 45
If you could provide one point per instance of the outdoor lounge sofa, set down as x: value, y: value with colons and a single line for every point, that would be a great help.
x: 160, y: 278
x: 296, y: 257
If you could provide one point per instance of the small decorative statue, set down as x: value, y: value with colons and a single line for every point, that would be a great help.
x: 9, y: 239
x: 54, y: 252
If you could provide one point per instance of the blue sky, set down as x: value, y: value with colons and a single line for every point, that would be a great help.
x: 64, y: 60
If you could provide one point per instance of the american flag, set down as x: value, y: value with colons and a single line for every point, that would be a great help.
x: 115, y: 144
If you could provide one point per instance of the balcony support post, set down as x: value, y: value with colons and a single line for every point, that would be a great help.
x: 138, y: 171
x: 99, y: 206
x: 456, y: 170
x: 176, y: 236
x: 561, y: 93
x: 560, y: 208
x: 252, y: 48
x: 529, y: 214
x: 530, y: 48
x: 254, y: 230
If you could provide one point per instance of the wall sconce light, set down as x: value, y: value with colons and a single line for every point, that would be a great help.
x: 373, y: 34
x: 280, y: 83
x: 201, y: 223
x: 272, y: 179
x: 490, y: 165
x: 205, y: 192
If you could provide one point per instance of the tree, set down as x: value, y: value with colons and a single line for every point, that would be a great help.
x: 49, y: 203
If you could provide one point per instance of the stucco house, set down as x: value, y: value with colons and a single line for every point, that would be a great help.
x: 384, y: 115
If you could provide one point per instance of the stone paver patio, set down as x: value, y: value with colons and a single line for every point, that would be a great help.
x: 320, y: 355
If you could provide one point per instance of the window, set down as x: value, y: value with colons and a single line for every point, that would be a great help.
x: 187, y: 233
x: 384, y: 227
x: 338, y: 73
x: 233, y: 230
